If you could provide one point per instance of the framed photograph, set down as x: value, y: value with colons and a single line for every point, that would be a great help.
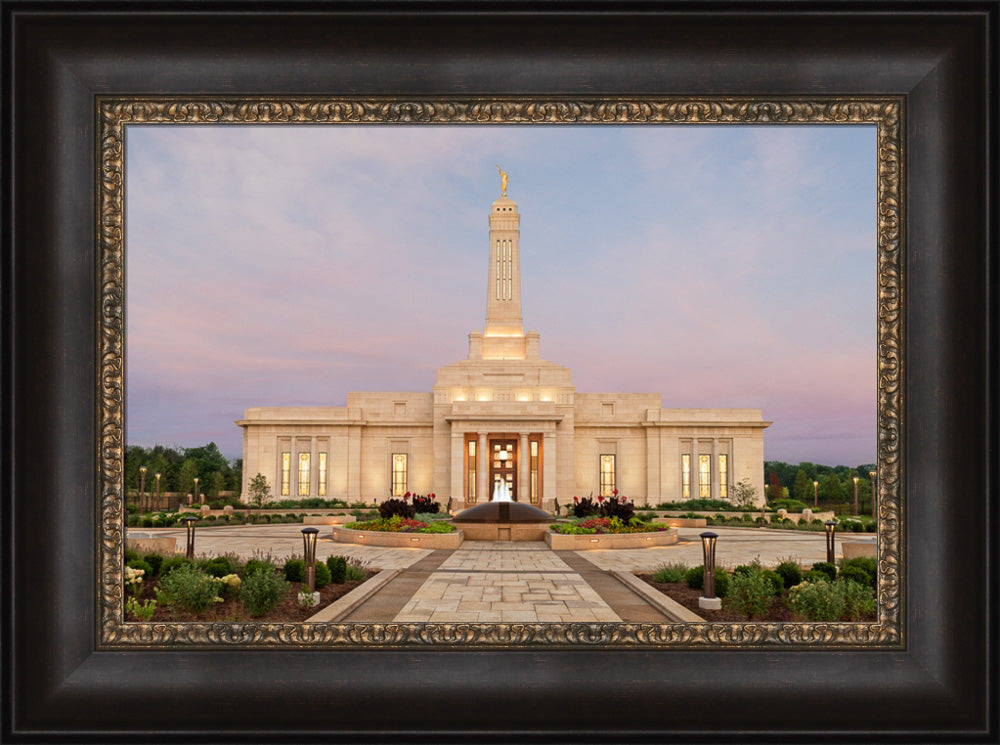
x: 915, y: 81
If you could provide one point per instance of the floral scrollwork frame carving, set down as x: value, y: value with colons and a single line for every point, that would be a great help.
x: 114, y: 114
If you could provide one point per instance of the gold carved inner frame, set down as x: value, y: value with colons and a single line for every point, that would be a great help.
x: 885, y: 113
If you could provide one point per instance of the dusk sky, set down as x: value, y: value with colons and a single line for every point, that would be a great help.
x: 719, y: 266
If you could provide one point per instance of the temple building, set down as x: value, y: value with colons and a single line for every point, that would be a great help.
x: 503, y: 415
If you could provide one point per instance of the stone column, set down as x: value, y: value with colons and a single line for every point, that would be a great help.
x: 524, y: 472
x: 457, y: 480
x: 550, y: 464
x: 354, y: 465
x: 482, y: 495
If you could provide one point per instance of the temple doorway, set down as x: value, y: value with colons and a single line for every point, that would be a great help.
x: 503, y: 467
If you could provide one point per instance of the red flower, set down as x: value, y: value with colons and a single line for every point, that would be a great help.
x: 575, y: 499
x: 615, y: 492
x: 600, y: 498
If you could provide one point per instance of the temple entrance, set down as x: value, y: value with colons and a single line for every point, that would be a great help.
x: 503, y: 466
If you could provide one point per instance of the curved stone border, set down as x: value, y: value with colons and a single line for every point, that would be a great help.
x: 398, y: 540
x: 345, y: 604
x: 582, y: 542
x: 661, y: 601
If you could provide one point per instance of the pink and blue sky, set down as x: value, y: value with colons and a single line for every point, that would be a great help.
x: 717, y: 266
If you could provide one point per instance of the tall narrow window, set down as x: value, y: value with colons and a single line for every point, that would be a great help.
x: 303, y: 490
x: 534, y: 496
x: 471, y: 475
x: 723, y: 476
x: 705, y: 476
x: 398, y: 474
x: 685, y: 476
x: 607, y: 475
x: 321, y: 487
x: 286, y: 473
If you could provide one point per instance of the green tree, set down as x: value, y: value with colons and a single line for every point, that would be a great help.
x: 831, y: 489
x: 218, y: 483
x: 803, y: 487
x: 185, y: 478
x: 259, y: 491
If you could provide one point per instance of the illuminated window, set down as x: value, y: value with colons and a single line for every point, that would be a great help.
x: 705, y: 476
x: 470, y: 489
x: 286, y: 472
x: 321, y: 488
x: 504, y: 270
x: 398, y: 474
x: 685, y: 476
x: 723, y: 476
x: 535, y: 495
x: 607, y: 475
x: 303, y: 475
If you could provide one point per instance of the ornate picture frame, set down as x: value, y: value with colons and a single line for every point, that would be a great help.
x: 885, y: 114
x: 71, y: 673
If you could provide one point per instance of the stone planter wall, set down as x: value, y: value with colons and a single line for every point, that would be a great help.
x: 398, y: 540
x: 560, y: 542
x: 503, y: 531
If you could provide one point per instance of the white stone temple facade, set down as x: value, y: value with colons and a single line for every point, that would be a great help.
x: 506, y: 415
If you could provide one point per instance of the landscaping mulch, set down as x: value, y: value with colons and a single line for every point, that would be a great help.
x: 232, y: 611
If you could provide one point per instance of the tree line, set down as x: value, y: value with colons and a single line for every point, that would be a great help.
x: 178, y: 468
x: 835, y: 484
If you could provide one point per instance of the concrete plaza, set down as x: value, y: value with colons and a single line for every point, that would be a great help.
x: 498, y: 582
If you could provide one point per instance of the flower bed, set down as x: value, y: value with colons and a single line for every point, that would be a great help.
x: 416, y: 537
x: 397, y: 524
x: 603, y: 525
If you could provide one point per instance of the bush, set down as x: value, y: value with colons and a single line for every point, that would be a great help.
x: 777, y: 583
x: 355, y: 570
x: 322, y: 574
x: 670, y: 572
x: 338, y: 568
x: 695, y: 579
x: 392, y: 507
x: 750, y: 594
x: 815, y: 601
x: 815, y: 575
x: 262, y: 590
x: 257, y: 565
x: 155, y: 561
x: 145, y: 566
x: 616, y: 506
x: 792, y: 505
x: 855, y: 574
x: 295, y: 570
x: 790, y: 573
x: 830, y: 570
x: 189, y: 588
x: 130, y: 555
x: 425, y: 504
x: 584, y: 507
x: 859, y: 600
x: 220, y: 566
x: 173, y: 562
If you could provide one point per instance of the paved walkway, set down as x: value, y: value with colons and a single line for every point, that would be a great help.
x: 497, y: 582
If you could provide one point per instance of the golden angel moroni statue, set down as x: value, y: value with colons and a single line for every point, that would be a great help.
x: 503, y: 180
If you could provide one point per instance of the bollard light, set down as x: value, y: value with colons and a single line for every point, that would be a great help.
x: 142, y: 486
x: 189, y: 524
x: 157, y: 490
x: 831, y: 531
x: 872, y: 475
x: 815, y: 494
x: 309, y: 536
x: 855, y: 496
x: 196, y: 497
x: 708, y: 598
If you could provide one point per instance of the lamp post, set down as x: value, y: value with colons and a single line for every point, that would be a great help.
x: 831, y: 531
x: 309, y: 549
x: 815, y: 494
x: 855, y: 496
x: 189, y: 524
x: 158, y: 490
x: 196, y: 497
x: 872, y: 475
x: 142, y: 486
x: 708, y: 599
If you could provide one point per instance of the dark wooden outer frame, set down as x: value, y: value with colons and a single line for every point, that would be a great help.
x: 56, y: 686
